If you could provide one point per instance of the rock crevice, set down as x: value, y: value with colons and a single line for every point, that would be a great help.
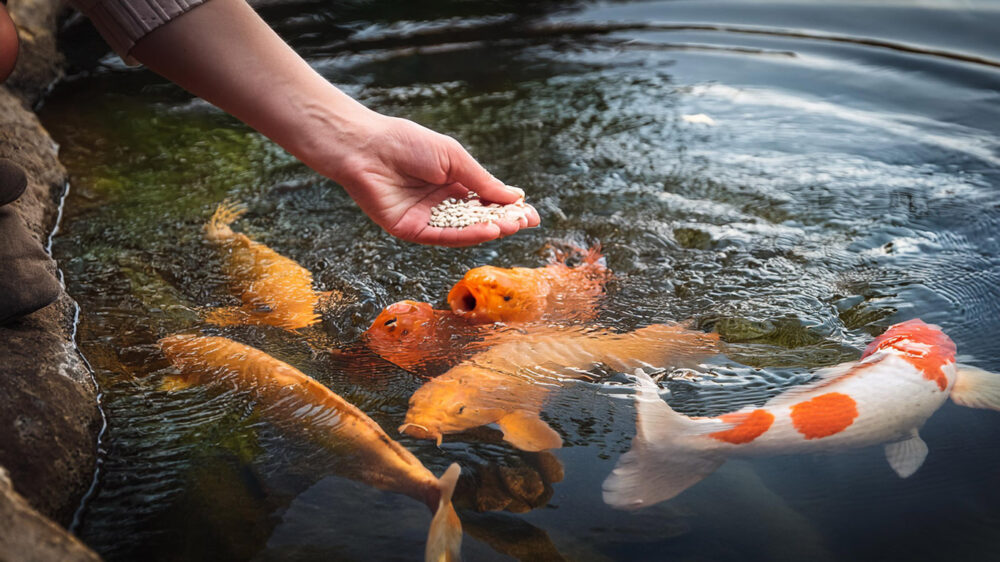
x: 49, y: 416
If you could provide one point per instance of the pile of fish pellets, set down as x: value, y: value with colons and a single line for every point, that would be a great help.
x: 459, y: 213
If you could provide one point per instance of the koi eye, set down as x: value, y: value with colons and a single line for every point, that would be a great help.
x: 461, y: 409
x: 507, y: 297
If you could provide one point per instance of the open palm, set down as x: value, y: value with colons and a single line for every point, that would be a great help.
x: 402, y: 170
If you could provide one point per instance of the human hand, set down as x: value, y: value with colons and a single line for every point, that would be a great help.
x: 397, y: 171
x: 394, y: 169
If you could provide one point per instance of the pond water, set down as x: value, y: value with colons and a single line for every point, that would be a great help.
x: 848, y: 179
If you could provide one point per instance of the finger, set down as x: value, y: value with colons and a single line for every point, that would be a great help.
x: 464, y: 169
x: 532, y: 216
x: 508, y: 226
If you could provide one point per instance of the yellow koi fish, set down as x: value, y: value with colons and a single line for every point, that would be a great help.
x: 509, y: 383
x: 275, y: 290
x: 904, y: 376
x: 292, y: 399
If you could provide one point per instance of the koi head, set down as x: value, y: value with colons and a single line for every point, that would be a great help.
x: 924, y: 346
x: 915, y: 338
x: 402, y: 322
x: 448, y: 404
x: 492, y: 294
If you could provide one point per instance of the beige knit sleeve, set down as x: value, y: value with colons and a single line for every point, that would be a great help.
x: 123, y: 22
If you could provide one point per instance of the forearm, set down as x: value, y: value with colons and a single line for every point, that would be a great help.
x: 224, y: 53
x: 394, y: 169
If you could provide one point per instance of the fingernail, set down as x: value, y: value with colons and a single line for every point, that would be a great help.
x: 518, y: 190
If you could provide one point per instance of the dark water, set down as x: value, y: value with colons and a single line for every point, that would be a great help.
x: 850, y: 181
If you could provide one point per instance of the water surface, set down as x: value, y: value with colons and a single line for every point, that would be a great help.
x: 850, y: 181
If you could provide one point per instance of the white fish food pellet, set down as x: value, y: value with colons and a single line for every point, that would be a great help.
x: 459, y: 213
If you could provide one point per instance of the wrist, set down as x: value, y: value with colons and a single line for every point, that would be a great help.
x: 330, y: 130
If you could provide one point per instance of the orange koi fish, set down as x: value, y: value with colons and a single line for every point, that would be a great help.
x: 421, y: 339
x: 509, y: 383
x: 275, y: 290
x: 414, y: 336
x: 292, y: 399
x: 904, y: 376
x: 557, y: 291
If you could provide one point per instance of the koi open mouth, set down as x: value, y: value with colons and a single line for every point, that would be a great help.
x: 420, y: 432
x: 461, y: 300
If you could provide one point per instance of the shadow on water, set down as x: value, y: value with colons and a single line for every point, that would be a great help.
x: 794, y: 176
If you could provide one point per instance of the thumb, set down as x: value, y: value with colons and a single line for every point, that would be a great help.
x: 465, y: 170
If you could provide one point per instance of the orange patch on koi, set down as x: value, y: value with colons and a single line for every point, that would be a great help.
x: 922, y: 345
x: 749, y: 426
x: 825, y: 415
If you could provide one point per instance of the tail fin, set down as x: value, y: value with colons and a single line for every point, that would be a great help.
x: 561, y: 252
x: 217, y: 227
x: 976, y: 388
x: 593, y: 256
x: 444, y: 540
x: 660, y: 465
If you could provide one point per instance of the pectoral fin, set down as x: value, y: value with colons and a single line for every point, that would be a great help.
x: 227, y: 316
x: 906, y: 456
x: 526, y: 431
x: 976, y: 388
x: 172, y: 383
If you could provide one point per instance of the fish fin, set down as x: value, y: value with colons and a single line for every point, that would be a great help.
x: 593, y: 256
x: 227, y: 316
x: 659, y: 466
x: 217, y: 227
x: 906, y: 456
x: 527, y: 431
x: 658, y: 345
x: 976, y: 388
x: 173, y: 383
x: 444, y: 540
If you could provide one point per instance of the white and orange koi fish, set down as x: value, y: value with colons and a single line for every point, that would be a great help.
x: 902, y: 378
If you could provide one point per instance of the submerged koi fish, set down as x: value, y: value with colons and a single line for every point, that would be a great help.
x: 416, y: 337
x: 557, y: 291
x: 509, y: 383
x: 275, y: 290
x: 297, y: 402
x: 904, y: 376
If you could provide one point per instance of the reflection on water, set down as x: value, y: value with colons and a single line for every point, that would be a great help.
x: 840, y: 187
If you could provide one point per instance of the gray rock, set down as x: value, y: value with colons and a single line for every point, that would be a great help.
x: 48, y: 409
x: 27, y: 536
x: 40, y: 62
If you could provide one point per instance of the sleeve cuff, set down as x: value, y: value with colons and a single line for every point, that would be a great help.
x: 123, y: 22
